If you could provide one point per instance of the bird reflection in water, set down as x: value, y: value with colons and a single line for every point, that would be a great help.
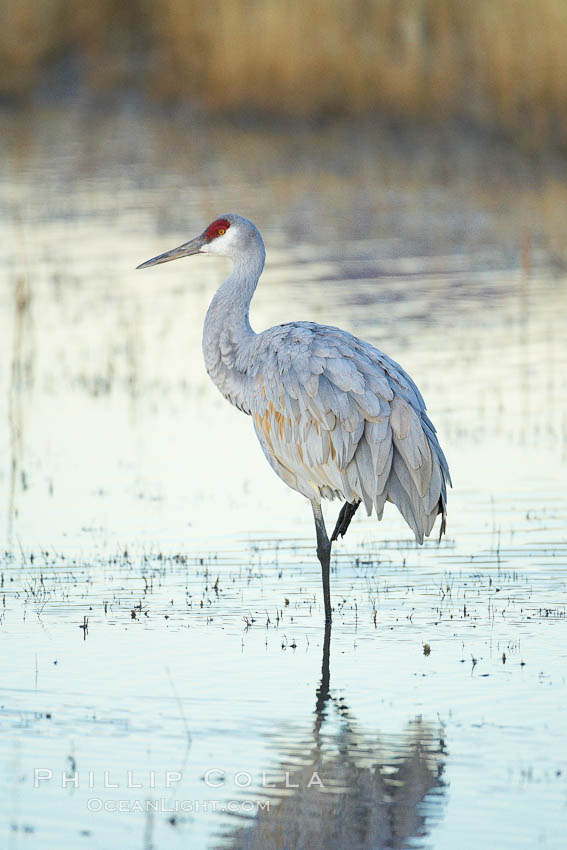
x: 372, y: 793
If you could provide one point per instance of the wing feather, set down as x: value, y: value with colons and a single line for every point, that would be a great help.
x: 338, y: 418
x: 366, y: 474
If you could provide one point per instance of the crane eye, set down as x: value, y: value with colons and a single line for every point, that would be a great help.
x: 221, y: 231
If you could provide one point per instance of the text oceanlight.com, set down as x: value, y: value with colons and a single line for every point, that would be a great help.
x: 162, y: 805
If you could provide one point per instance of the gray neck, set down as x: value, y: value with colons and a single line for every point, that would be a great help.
x: 227, y: 332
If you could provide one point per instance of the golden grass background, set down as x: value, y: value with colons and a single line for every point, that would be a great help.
x: 501, y: 63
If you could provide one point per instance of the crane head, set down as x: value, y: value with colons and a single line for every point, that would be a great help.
x: 229, y: 235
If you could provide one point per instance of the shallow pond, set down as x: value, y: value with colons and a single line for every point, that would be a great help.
x: 166, y: 677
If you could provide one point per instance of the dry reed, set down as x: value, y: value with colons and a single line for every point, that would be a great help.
x: 499, y: 62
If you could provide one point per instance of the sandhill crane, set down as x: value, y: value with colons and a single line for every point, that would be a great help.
x: 335, y: 416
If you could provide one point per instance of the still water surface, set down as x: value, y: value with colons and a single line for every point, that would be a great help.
x: 160, y: 600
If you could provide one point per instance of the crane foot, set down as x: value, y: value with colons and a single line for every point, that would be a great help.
x: 348, y: 510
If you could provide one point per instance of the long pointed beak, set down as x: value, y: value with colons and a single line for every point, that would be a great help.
x: 185, y: 250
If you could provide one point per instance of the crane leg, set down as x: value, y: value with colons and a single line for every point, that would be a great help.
x: 324, y: 555
x: 348, y: 510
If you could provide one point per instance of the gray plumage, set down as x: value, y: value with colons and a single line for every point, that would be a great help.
x: 336, y: 417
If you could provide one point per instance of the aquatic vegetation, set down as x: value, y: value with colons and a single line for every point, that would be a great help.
x: 501, y: 63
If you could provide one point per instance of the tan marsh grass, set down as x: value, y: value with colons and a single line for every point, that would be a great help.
x: 502, y: 63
